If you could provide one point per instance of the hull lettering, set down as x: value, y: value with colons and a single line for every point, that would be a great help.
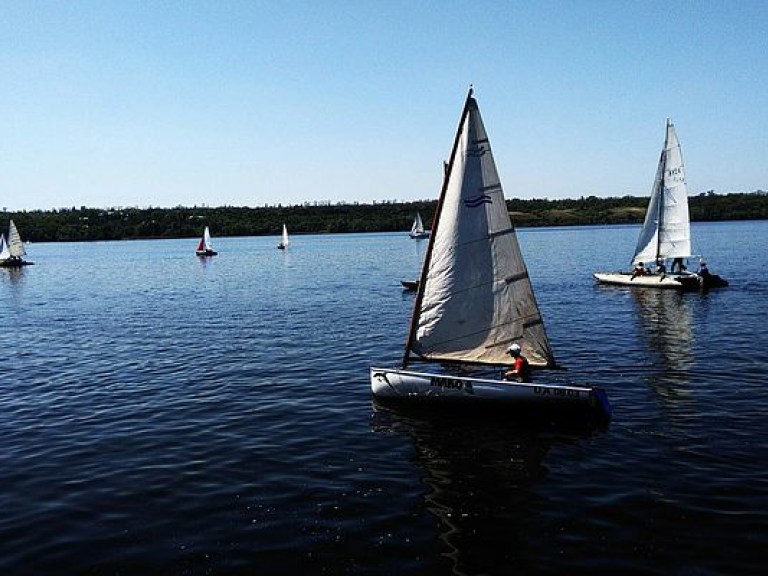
x: 557, y: 392
x: 451, y: 384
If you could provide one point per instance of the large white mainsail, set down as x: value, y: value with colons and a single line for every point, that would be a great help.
x: 475, y: 297
x: 666, y: 232
x: 15, y: 245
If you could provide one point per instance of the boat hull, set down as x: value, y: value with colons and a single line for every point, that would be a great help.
x: 419, y: 235
x: 438, y: 388
x: 13, y: 263
x: 667, y: 281
x: 206, y: 252
x: 410, y: 285
x: 685, y: 281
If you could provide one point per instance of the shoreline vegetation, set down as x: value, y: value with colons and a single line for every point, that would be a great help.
x: 88, y: 224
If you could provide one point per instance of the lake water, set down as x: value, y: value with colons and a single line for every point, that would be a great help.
x: 163, y: 414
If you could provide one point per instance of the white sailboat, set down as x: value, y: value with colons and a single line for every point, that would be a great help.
x: 284, y: 242
x: 475, y: 298
x: 204, y: 247
x: 666, y: 232
x: 12, y: 253
x: 417, y: 229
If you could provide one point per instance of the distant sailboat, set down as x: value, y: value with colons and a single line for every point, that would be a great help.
x: 12, y: 253
x: 475, y: 304
x: 417, y: 229
x: 5, y: 253
x: 204, y: 247
x: 285, y: 241
x: 666, y: 231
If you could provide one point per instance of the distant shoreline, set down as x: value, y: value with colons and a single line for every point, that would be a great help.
x: 89, y: 224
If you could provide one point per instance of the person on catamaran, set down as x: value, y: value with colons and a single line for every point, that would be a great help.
x: 639, y: 270
x: 703, y: 270
x: 678, y: 263
x: 521, y: 371
x: 661, y: 269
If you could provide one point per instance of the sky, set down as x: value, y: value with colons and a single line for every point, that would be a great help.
x: 249, y: 103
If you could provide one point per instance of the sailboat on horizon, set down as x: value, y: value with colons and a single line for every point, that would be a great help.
x: 417, y: 229
x: 204, y: 247
x: 12, y: 252
x: 284, y: 241
x: 475, y: 302
x: 666, y: 233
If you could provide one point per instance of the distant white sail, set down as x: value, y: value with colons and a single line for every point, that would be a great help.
x: 15, y: 245
x: 477, y: 298
x: 285, y: 242
x: 207, y: 239
x: 5, y: 253
x: 418, y: 225
x: 666, y: 232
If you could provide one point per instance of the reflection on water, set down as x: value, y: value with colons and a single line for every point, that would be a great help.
x: 665, y: 316
x: 16, y: 278
x: 666, y: 322
x: 480, y: 476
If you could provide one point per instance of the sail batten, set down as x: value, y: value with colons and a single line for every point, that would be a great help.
x: 475, y: 297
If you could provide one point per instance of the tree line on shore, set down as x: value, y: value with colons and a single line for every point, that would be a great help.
x: 88, y: 224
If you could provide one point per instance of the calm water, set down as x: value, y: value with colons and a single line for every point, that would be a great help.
x: 163, y: 414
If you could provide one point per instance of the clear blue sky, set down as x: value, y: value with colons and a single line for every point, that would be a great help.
x: 246, y: 103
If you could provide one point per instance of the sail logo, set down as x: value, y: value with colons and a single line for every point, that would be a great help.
x: 478, y: 200
x: 478, y: 148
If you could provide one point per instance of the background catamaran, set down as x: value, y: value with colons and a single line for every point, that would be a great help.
x: 204, y: 247
x: 417, y: 229
x: 475, y: 298
x: 12, y: 253
x: 284, y: 241
x: 666, y: 232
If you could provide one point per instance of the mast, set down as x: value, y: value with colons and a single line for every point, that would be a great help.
x: 433, y: 235
x: 662, y: 192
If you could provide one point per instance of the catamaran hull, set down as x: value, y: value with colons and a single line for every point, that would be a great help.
x: 672, y: 281
x: 421, y: 387
x: 14, y: 263
x: 206, y: 253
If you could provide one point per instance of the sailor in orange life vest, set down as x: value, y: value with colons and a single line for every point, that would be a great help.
x: 521, y: 371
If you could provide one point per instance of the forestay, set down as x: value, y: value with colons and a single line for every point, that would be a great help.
x: 666, y: 232
x: 476, y: 296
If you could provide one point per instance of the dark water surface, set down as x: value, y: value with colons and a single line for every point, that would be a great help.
x: 163, y: 414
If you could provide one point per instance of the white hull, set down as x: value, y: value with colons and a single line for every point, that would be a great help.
x: 391, y: 383
x: 669, y: 281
